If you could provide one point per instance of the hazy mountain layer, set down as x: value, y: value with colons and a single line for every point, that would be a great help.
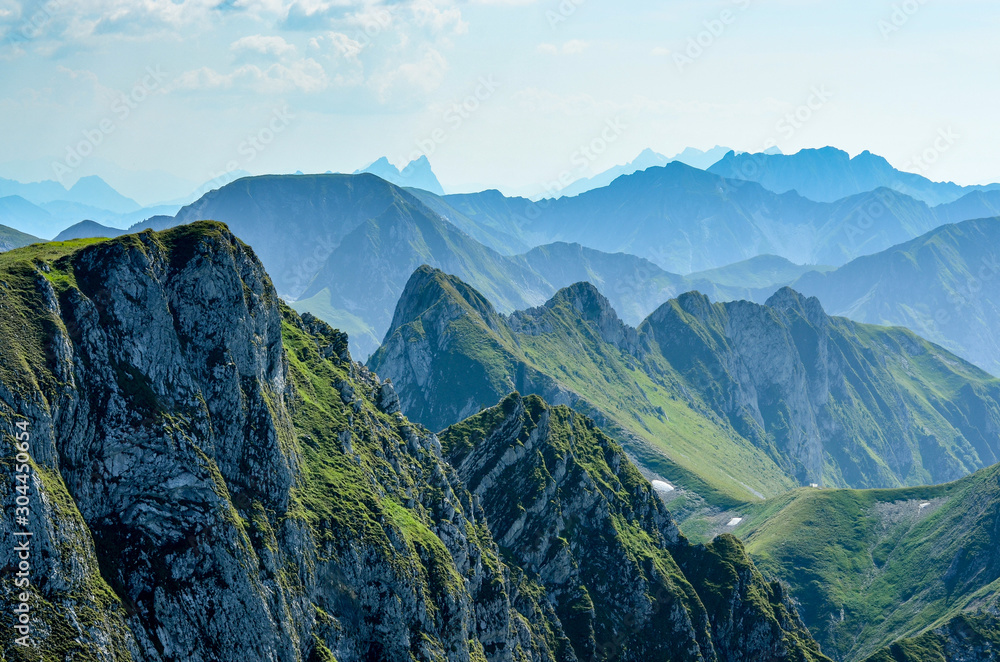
x: 416, y: 174
x: 11, y: 239
x: 695, y: 158
x: 942, y: 285
x: 830, y: 174
x: 687, y: 220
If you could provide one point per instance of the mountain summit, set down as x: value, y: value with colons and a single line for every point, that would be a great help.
x: 415, y: 174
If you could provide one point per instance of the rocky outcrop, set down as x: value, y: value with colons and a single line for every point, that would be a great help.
x: 588, y: 305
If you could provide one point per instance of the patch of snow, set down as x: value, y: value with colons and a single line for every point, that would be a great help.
x: 662, y: 486
x: 735, y: 521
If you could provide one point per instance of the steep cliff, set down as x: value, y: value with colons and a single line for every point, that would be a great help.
x: 212, y: 479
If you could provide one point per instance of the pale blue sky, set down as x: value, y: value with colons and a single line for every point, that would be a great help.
x: 337, y: 84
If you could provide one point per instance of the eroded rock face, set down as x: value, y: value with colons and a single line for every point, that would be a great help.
x: 215, y: 480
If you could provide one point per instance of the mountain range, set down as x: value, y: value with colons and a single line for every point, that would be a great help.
x: 680, y: 416
x: 299, y: 224
x: 829, y: 174
x: 213, y: 479
x: 695, y: 158
x: 687, y: 220
x: 343, y: 247
x: 729, y: 401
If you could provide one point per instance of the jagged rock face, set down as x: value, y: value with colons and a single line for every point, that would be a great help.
x: 567, y: 505
x: 166, y: 364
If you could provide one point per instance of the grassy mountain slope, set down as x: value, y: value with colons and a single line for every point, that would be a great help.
x: 871, y: 567
x: 451, y: 354
x: 728, y: 400
x: 972, y: 637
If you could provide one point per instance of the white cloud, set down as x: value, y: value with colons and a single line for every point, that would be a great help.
x: 263, y: 45
x: 340, y: 44
x: 303, y: 75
